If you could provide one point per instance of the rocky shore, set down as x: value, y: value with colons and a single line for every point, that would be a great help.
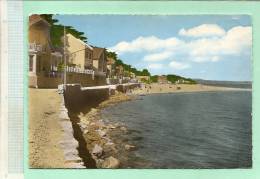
x: 105, y: 140
x: 97, y: 133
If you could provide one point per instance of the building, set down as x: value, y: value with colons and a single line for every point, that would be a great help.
x: 43, y: 60
x: 46, y: 63
x: 162, y: 79
x: 79, y: 53
x: 143, y: 78
x: 119, y: 71
x: 110, y: 67
x: 99, y: 60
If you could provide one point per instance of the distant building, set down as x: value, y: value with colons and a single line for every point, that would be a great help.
x: 132, y: 75
x: 110, y: 67
x: 143, y: 78
x: 162, y: 79
x: 99, y: 59
x: 120, y: 71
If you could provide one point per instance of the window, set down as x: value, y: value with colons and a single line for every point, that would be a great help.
x: 31, y: 63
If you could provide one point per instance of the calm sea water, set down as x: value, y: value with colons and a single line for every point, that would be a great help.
x: 189, y: 130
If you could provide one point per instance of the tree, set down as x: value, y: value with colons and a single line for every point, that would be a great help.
x: 57, y: 30
x: 126, y: 67
x: 145, y: 72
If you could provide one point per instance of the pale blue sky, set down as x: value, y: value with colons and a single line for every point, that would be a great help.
x: 209, y: 47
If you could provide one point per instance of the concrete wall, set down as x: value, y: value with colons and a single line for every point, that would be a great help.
x: 76, y: 98
x: 32, y: 81
x: 125, y: 87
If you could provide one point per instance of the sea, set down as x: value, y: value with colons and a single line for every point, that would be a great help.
x: 188, y: 130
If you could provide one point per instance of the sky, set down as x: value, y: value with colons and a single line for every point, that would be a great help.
x: 211, y: 47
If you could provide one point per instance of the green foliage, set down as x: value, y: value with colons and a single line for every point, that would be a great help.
x: 57, y: 30
x: 49, y: 18
x: 127, y: 67
x: 154, y: 78
x: 61, y: 67
x: 145, y: 81
x: 112, y: 55
x: 175, y: 78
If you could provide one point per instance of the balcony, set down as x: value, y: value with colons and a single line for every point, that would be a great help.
x: 33, y: 47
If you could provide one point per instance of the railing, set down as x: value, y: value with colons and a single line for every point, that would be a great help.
x: 79, y: 70
x: 36, y: 47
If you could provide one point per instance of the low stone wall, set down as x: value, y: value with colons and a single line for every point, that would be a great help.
x: 125, y: 87
x: 111, y: 81
x: 68, y: 143
x: 42, y: 81
x: 33, y: 81
x: 76, y: 97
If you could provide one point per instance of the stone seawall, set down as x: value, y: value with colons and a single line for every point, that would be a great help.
x: 127, y: 86
x: 68, y: 143
x: 80, y: 101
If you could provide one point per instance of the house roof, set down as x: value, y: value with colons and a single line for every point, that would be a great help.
x: 97, y: 52
x: 110, y: 61
x: 83, y: 43
x: 35, y: 18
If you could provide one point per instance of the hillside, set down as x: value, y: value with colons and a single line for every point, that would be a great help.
x: 174, y: 79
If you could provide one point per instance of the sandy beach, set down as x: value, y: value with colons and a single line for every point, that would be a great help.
x: 174, y: 88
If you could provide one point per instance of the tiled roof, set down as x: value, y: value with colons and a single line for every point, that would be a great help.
x: 97, y: 52
x: 36, y: 18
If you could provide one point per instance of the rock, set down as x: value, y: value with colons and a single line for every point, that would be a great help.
x: 109, y: 143
x: 97, y: 150
x: 123, y: 128
x: 110, y: 126
x: 111, y: 162
x: 102, y: 133
x: 130, y: 147
x: 82, y: 126
x: 100, y: 124
x: 85, y: 131
x: 80, y: 115
x: 99, y: 162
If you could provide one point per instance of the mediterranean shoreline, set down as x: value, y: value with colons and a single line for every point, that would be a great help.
x: 103, y: 138
x: 107, y: 134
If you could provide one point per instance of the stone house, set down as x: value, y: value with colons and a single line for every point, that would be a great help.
x: 99, y: 60
x: 143, y: 78
x: 79, y: 53
x: 162, y: 79
x: 43, y: 60
x: 119, y: 71
x: 110, y: 67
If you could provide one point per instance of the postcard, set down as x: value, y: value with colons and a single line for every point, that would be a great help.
x: 120, y: 89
